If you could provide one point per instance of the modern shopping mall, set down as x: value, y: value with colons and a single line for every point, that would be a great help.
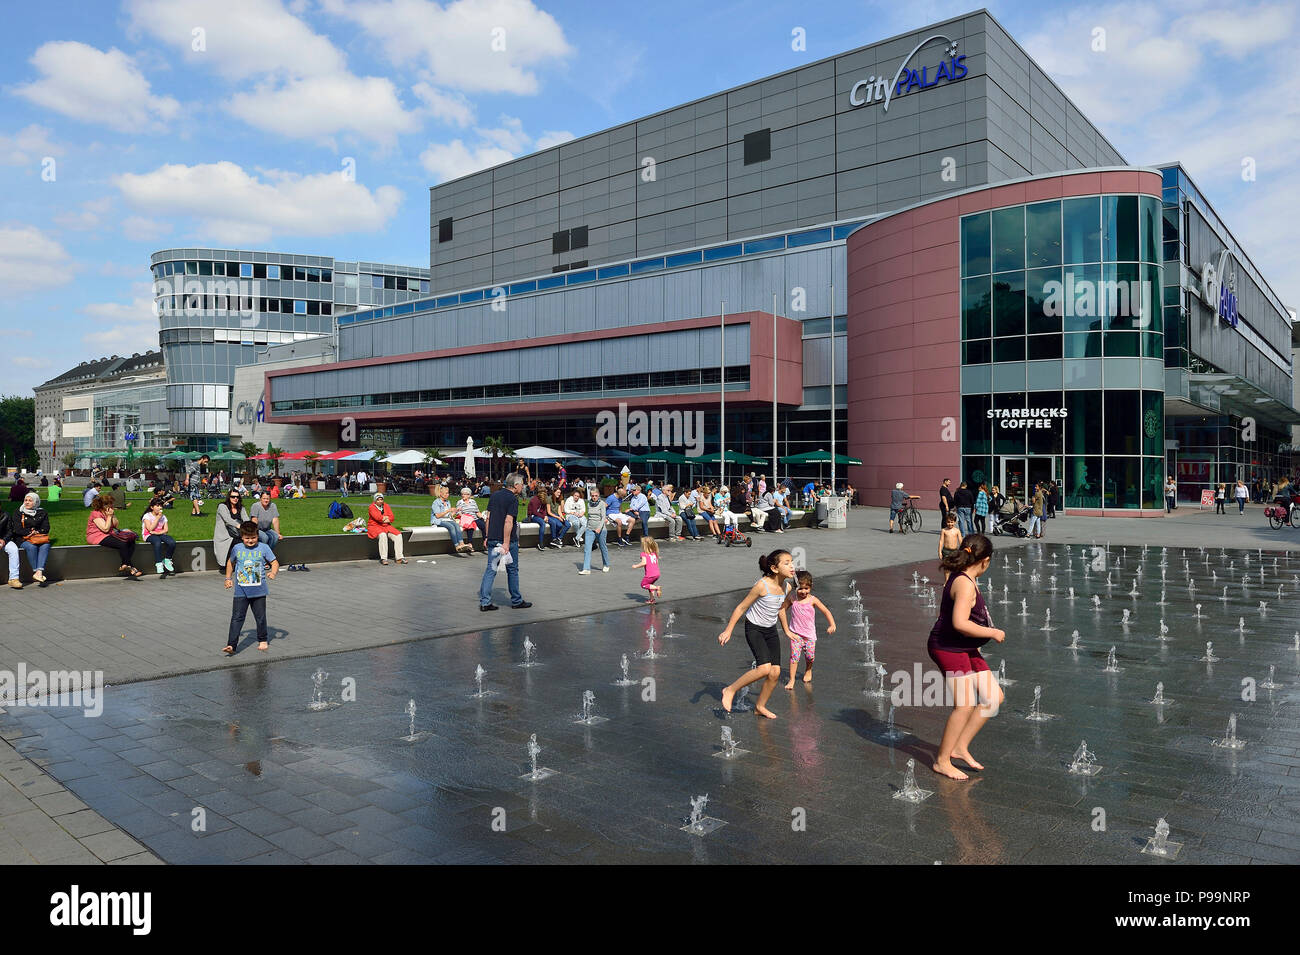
x: 925, y: 235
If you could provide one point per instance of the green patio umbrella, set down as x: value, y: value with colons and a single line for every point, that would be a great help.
x: 664, y: 457
x: 820, y: 456
x: 733, y: 457
x: 227, y: 456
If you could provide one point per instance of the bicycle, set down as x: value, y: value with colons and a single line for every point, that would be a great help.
x: 909, y: 517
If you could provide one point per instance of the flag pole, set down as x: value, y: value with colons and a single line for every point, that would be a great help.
x: 722, y: 397
x: 832, y: 386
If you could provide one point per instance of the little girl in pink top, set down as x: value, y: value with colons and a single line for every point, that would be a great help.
x: 650, y: 561
x: 799, y: 617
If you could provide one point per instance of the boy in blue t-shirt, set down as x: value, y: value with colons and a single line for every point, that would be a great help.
x: 247, y: 566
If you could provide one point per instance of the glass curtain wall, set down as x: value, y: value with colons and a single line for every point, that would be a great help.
x: 1059, y: 288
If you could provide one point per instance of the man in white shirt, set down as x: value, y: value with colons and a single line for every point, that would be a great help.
x: 689, y: 509
x: 362, y: 483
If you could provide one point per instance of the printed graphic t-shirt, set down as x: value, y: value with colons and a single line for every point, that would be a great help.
x: 251, y: 564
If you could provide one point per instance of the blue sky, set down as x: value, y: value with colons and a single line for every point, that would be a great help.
x: 191, y: 122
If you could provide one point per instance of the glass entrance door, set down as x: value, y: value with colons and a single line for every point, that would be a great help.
x: 1019, y: 475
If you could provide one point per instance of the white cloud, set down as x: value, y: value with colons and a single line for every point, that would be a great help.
x: 236, y: 208
x: 447, y: 161
x: 31, y: 260
x: 459, y: 44
x: 316, y: 106
x: 241, y: 38
x: 26, y: 361
x: 90, y: 215
x: 29, y: 145
x: 140, y: 229
x: 444, y: 107
x: 302, y: 86
x: 96, y: 87
x: 1137, y: 92
x: 122, y: 327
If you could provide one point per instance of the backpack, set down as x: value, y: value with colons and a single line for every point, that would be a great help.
x: 339, y: 511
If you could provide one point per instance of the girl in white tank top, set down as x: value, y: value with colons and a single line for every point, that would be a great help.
x: 761, y: 608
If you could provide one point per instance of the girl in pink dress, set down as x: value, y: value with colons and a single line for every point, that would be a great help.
x: 650, y: 561
x: 799, y: 617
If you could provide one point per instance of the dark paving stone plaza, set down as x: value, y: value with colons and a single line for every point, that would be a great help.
x: 229, y: 764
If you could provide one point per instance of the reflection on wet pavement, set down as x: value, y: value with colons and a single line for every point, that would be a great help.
x: 281, y: 783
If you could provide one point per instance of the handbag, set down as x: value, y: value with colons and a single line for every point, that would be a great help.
x: 128, y: 537
x: 37, y: 538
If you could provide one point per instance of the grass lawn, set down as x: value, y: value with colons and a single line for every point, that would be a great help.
x: 297, y: 517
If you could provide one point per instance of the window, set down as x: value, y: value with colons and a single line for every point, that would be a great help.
x: 578, y: 237
x: 299, y: 307
x: 245, y: 270
x: 376, y: 281
x: 390, y: 281
x: 299, y: 273
x: 259, y: 271
x: 444, y: 229
x: 273, y: 271
x: 758, y: 146
x: 560, y: 242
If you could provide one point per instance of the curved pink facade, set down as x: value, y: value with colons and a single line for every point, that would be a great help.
x: 904, y: 330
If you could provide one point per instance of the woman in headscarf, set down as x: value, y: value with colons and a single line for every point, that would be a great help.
x: 31, y: 529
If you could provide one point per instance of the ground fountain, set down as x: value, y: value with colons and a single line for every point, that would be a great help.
x: 651, y: 654
x: 530, y: 651
x: 699, y: 824
x: 1002, y: 674
x: 1271, y: 683
x: 624, y: 681
x: 1074, y: 641
x: 891, y: 733
x: 479, y: 673
x: 911, y: 792
x: 1209, y: 654
x: 880, y: 691
x: 535, y: 772
x: 1047, y: 622
x: 411, y: 735
x: 1096, y: 603
x: 1036, y: 714
x: 1231, y: 740
x: 1159, y: 844
x: 1160, y: 699
x: 1024, y: 608
x: 588, y: 704
x: 1164, y: 630
x: 1126, y: 619
x: 1084, y: 762
x: 1112, y: 663
x: 318, y: 701
x: 730, y: 746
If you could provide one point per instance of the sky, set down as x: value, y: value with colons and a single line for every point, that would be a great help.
x: 317, y: 126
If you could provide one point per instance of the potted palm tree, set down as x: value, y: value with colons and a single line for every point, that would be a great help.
x: 313, y: 461
x: 248, y: 449
x: 69, y: 462
x: 275, y: 454
x: 431, y: 457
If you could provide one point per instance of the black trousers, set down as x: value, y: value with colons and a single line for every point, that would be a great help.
x: 239, y: 612
x: 125, y: 548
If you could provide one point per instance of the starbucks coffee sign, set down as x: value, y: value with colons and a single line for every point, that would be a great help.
x: 1026, y: 417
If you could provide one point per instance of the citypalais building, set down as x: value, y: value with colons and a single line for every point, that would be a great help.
x: 923, y: 234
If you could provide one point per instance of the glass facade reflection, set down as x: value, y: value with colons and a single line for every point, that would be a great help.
x: 1063, y: 349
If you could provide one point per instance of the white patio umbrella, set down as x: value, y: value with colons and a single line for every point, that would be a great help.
x: 537, y: 452
x: 469, y: 457
x: 405, y: 457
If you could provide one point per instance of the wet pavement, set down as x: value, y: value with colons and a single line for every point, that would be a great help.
x: 230, y: 765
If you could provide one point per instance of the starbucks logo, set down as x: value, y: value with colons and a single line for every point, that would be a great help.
x: 1151, y: 422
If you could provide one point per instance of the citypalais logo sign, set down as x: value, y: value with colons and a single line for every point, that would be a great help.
x: 877, y: 89
x: 1219, y: 288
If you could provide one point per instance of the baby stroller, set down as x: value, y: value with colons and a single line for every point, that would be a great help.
x: 1011, y: 519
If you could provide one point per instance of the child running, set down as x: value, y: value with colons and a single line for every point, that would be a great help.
x: 955, y: 640
x: 801, y: 624
x: 247, y: 562
x: 650, y: 561
x: 761, y: 607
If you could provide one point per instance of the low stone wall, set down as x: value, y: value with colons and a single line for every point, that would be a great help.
x: 85, y: 561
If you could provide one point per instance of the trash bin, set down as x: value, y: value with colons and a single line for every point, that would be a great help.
x: 837, y: 513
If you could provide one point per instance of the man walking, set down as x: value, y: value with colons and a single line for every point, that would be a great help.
x: 503, y: 541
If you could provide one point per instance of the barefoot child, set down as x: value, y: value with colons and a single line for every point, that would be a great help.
x: 799, y: 618
x: 962, y: 628
x: 949, y: 537
x: 761, y: 607
x: 650, y: 561
x: 248, y: 560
